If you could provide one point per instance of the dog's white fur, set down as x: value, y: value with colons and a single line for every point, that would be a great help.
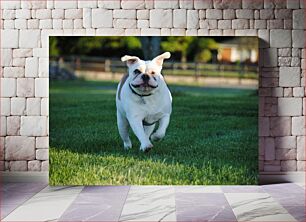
x: 140, y: 102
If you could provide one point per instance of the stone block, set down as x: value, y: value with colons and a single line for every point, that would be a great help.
x: 9, y: 38
x: 160, y: 18
x: 192, y: 19
x: 270, y: 57
x: 280, y: 126
x: 203, y: 4
x: 23, y: 14
x: 31, y: 67
x: 20, y: 23
x: 25, y: 87
x: 45, y: 165
x: 298, y: 92
x: 10, y: 4
x: 298, y: 19
x: 58, y: 13
x: 87, y: 18
x: 13, y: 72
x: 301, y: 166
x: 252, y: 4
x: 280, y: 38
x: 293, y: 4
x: 150, y: 32
x: 42, y: 142
x: 229, y: 14
x: 179, y: 18
x: 43, y: 13
x: 5, y: 106
x: 6, y: 57
x: 29, y: 38
x: 289, y: 76
x: 186, y: 4
x: 226, y: 4
x: 245, y: 14
x: 42, y: 154
x: 44, y: 106
x: 214, y: 14
x: 87, y: 4
x: 43, y: 67
x: 301, y: 148
x: 298, y: 126
x: 8, y: 14
x: 298, y: 38
x: 288, y: 165
x: 33, y: 106
x: 13, y: 125
x: 18, y: 106
x: 143, y: 14
x: 285, y: 154
x: 208, y: 24
x: 142, y: 23
x: 34, y: 165
x: 224, y: 24
x: 102, y: 18
x: 19, y: 62
x: 66, y: 4
x: 73, y: 13
x: 125, y: 23
x: 285, y: 142
x: 164, y: 4
x: 133, y: 4
x: 33, y: 126
x: 124, y: 13
x: 109, y: 4
x: 18, y: 165
x: 8, y: 87
x: 240, y: 24
x: 19, y: 148
x: 3, y: 128
x: 269, y: 148
x: 22, y: 53
x: 289, y: 106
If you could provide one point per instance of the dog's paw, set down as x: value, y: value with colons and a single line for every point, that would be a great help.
x: 146, y: 147
x: 127, y: 146
x: 157, y: 136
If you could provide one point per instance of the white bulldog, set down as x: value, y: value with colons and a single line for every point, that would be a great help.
x: 143, y: 99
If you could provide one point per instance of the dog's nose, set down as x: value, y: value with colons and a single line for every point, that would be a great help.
x: 145, y: 77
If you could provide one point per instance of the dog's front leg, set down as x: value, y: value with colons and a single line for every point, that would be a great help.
x: 137, y: 127
x: 161, y: 131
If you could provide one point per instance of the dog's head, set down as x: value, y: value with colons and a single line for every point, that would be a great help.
x: 145, y: 76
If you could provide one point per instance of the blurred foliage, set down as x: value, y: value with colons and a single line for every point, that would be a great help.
x: 183, y: 48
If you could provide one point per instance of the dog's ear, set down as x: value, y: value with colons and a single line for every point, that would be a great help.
x: 160, y: 59
x: 130, y: 60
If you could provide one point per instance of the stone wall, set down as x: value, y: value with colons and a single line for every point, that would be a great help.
x: 26, y: 25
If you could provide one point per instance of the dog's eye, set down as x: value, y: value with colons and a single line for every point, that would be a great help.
x: 137, y: 71
x: 152, y: 72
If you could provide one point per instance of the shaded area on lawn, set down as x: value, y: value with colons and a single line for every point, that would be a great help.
x: 212, y: 138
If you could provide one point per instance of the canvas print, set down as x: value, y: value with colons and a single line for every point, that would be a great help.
x: 149, y: 110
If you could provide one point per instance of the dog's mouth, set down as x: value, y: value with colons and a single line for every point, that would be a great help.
x: 144, y: 86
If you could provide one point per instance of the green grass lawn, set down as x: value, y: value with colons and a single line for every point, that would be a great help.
x: 212, y: 138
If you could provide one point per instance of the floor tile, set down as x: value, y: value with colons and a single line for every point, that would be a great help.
x: 97, y: 204
x: 47, y: 205
x: 149, y: 203
x: 106, y: 189
x: 298, y: 212
x: 242, y: 189
x: 283, y: 188
x: 22, y: 187
x: 290, y: 199
x: 257, y: 207
x: 203, y: 207
x: 198, y: 189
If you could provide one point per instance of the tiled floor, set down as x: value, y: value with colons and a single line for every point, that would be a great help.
x: 39, y: 202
